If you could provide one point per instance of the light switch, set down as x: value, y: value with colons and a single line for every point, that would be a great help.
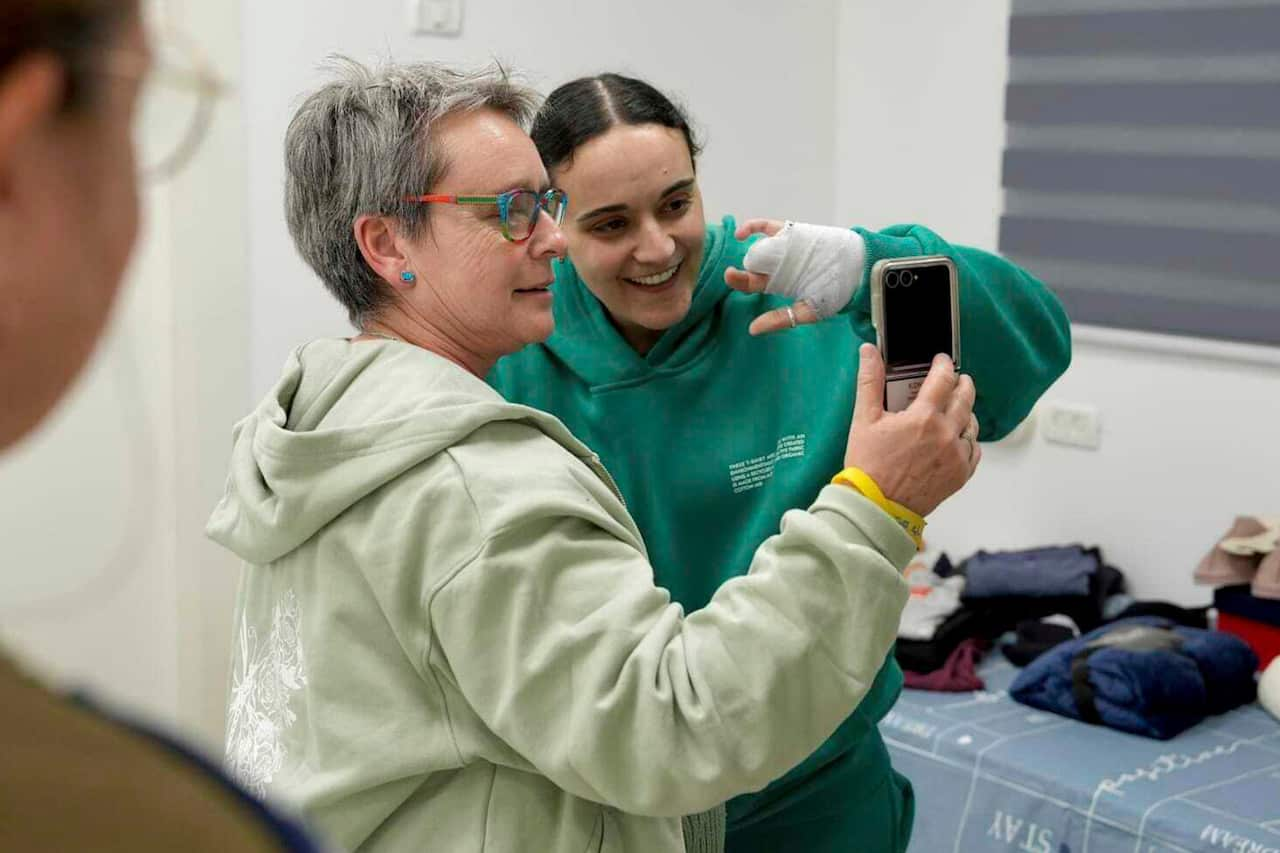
x: 435, y: 17
x: 1071, y: 423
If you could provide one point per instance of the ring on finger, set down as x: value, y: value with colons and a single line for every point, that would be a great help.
x: 791, y: 315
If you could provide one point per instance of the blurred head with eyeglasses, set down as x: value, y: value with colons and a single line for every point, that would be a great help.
x: 418, y: 198
x: 88, y: 104
x: 68, y: 198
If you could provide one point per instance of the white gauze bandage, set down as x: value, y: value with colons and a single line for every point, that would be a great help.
x: 817, y: 263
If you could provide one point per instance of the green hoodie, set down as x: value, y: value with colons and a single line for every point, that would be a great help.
x: 714, y: 434
x: 448, y: 636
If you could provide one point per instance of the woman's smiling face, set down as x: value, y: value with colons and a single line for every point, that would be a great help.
x: 635, y: 227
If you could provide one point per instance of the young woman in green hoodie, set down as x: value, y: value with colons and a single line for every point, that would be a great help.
x: 712, y: 430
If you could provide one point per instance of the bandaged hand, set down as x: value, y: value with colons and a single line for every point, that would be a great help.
x: 816, y: 265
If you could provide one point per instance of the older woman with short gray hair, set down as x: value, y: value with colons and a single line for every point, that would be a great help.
x: 448, y: 633
x: 364, y: 146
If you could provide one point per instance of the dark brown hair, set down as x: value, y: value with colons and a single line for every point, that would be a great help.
x: 582, y: 109
x: 71, y: 30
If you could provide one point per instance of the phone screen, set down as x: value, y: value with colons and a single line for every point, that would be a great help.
x: 917, y: 315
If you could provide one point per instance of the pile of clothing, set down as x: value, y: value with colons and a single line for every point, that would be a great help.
x: 1246, y: 554
x: 1090, y: 651
x: 1244, y: 566
x: 955, y: 614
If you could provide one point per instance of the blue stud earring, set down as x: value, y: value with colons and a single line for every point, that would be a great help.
x: 407, y: 277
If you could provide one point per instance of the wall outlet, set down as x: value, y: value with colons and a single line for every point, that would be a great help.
x: 434, y: 17
x: 1074, y: 424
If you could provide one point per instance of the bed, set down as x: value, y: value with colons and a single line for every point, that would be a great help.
x: 993, y: 775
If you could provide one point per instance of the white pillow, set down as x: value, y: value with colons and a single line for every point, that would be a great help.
x: 1269, y: 688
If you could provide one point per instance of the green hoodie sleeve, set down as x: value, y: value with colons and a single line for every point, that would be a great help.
x: 1015, y: 339
x: 557, y: 638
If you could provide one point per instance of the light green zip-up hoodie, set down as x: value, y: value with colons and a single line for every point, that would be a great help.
x: 448, y: 636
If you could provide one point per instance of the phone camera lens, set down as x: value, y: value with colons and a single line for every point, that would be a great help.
x: 907, y: 278
x: 891, y: 280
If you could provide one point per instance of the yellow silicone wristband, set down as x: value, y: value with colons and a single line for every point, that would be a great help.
x: 912, y: 523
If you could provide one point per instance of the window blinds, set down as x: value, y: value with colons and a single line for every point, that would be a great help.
x: 1142, y: 167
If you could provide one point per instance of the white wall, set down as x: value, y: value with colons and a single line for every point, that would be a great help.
x: 1189, y: 429
x: 760, y: 82
x: 920, y: 115
x: 209, y: 279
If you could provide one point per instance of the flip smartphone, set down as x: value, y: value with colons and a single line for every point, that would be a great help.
x: 915, y: 307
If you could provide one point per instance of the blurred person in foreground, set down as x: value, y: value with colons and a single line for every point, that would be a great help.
x: 71, y: 778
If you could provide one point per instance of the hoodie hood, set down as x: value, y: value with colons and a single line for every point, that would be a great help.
x: 343, y: 420
x: 586, y: 340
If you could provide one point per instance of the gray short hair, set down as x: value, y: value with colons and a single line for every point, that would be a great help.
x: 363, y: 142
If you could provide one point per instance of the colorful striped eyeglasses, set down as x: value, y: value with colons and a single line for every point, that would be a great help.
x: 518, y: 209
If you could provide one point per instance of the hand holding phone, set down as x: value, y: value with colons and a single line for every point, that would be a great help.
x: 915, y: 307
x: 920, y: 457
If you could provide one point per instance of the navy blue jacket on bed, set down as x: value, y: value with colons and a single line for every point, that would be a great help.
x: 1148, y: 676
